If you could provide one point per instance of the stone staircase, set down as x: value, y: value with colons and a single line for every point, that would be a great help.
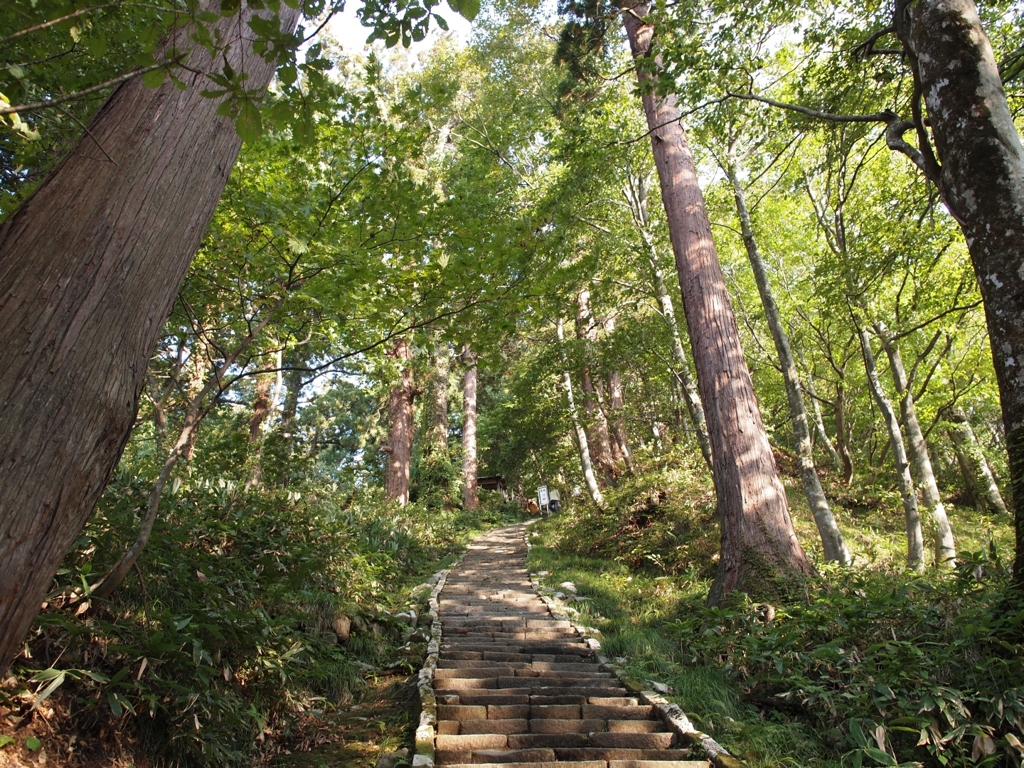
x: 516, y: 688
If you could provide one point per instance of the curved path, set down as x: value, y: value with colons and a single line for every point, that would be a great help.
x: 517, y: 688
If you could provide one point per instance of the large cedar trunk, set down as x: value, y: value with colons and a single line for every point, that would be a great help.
x: 90, y: 266
x: 638, y: 203
x: 979, y: 170
x: 758, y: 540
x: 400, y: 430
x: 831, y: 537
x: 470, y: 497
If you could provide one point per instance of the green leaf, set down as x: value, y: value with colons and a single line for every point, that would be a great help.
x: 5, y: 740
x: 880, y: 757
x: 32, y: 743
x: 287, y: 75
x: 115, y: 705
x: 154, y: 78
x: 467, y: 9
x: 249, y: 123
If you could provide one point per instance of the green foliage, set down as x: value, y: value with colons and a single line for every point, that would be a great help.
x: 661, y: 521
x: 866, y: 667
x: 226, y: 633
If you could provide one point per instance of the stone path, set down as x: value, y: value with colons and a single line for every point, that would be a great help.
x: 516, y: 688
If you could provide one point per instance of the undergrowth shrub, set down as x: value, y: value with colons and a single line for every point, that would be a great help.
x: 870, y: 665
x: 228, y: 628
x: 662, y: 520
x: 891, y: 667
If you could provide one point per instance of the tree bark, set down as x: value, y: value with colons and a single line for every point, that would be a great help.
x: 831, y: 537
x: 758, y: 540
x: 945, y: 548
x: 618, y: 427
x: 261, y: 406
x: 470, y: 496
x: 400, y: 431
x: 574, y: 415
x: 819, y: 421
x: 90, y: 266
x: 694, y: 407
x: 979, y: 170
x: 915, y: 539
x: 977, y: 473
x: 842, y: 439
x: 597, y: 421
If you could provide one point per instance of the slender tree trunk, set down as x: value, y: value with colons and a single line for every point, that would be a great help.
x: 90, y: 266
x: 186, y: 437
x: 842, y: 439
x: 945, y: 548
x: 758, y: 539
x: 831, y: 537
x: 975, y: 468
x: 694, y: 407
x: 436, y: 432
x: 261, y: 406
x: 470, y: 498
x: 574, y: 415
x: 400, y: 431
x: 915, y: 539
x: 618, y: 426
x: 819, y: 421
x: 981, y: 180
x: 593, y: 402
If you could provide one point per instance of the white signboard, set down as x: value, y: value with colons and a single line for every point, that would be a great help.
x: 542, y: 496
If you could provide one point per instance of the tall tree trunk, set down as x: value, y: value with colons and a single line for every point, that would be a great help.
x: 90, y: 266
x: 757, y: 534
x: 574, y: 415
x: 975, y: 468
x: 400, y: 430
x: 945, y: 548
x: 981, y: 180
x: 638, y: 204
x: 593, y: 401
x: 186, y: 437
x: 831, y: 537
x: 470, y: 498
x: 915, y: 539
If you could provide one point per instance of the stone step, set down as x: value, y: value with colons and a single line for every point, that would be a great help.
x: 658, y: 757
x: 490, y: 726
x: 633, y: 740
x: 635, y: 726
x: 548, y: 764
x: 527, y: 673
x: 605, y: 712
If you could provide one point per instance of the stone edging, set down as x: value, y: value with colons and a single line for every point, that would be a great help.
x: 671, y: 714
x: 423, y: 755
